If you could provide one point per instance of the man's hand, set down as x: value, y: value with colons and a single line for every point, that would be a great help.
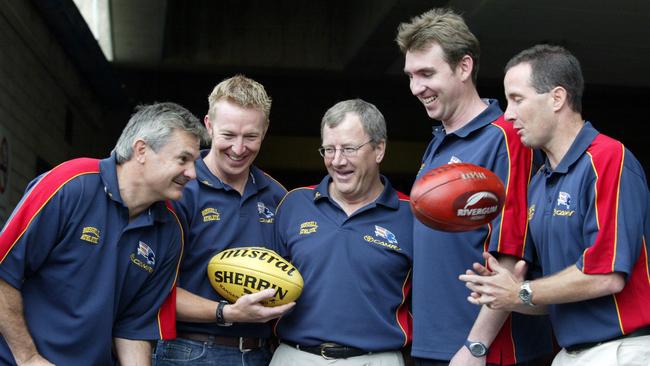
x: 496, y: 287
x: 464, y: 358
x: 248, y: 308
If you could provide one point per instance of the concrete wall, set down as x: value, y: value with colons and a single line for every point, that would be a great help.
x: 48, y: 113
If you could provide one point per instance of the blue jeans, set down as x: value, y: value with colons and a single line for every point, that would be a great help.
x: 187, y: 352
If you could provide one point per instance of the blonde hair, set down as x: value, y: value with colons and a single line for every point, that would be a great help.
x: 447, y: 29
x: 243, y: 91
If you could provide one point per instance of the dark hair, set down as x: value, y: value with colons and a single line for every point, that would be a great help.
x: 448, y: 30
x: 553, y: 66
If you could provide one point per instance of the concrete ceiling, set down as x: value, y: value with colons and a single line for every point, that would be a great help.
x: 311, y: 54
x: 356, y: 36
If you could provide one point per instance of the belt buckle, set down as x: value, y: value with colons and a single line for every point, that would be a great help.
x: 324, y: 347
x: 241, y: 346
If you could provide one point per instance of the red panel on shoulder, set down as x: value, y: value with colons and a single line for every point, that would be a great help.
x: 514, y: 217
x: 38, y: 197
x: 607, y: 157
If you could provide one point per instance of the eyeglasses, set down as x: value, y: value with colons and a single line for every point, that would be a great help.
x: 347, y: 151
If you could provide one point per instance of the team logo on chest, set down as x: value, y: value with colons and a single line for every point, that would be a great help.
x: 308, y: 227
x: 564, y: 205
x: 383, y: 237
x: 531, y: 212
x: 90, y: 234
x: 266, y: 215
x: 454, y: 160
x: 145, y: 258
x: 210, y: 214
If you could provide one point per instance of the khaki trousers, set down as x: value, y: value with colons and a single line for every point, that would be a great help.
x: 634, y: 351
x: 288, y: 356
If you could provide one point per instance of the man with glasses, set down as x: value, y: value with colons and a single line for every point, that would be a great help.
x: 350, y: 238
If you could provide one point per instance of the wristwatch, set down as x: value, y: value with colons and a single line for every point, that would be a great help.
x: 477, y: 349
x: 221, y: 321
x: 526, y: 294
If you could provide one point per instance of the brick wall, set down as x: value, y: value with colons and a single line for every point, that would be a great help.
x: 48, y: 112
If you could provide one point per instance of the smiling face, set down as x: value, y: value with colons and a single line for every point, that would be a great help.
x: 530, y: 112
x: 237, y: 134
x: 167, y: 170
x: 353, y: 177
x: 434, y: 82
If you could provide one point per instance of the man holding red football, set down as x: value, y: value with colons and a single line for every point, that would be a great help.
x: 589, y: 221
x: 351, y: 239
x: 441, y: 61
x: 230, y: 204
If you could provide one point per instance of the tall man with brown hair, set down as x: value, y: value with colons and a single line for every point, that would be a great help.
x: 441, y: 61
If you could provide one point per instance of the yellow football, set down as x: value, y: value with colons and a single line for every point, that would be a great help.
x: 239, y: 271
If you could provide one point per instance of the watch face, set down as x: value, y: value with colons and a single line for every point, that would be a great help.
x: 477, y: 349
x: 524, y: 296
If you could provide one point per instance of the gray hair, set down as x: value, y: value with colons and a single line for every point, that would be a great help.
x: 155, y: 123
x: 553, y: 66
x: 371, y: 118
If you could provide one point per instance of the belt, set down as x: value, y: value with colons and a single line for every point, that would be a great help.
x: 329, y: 351
x: 583, y: 346
x: 243, y: 343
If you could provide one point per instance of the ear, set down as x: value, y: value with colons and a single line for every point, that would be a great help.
x: 139, y: 151
x: 380, y: 150
x: 465, y: 67
x: 266, y: 128
x: 559, y: 98
x: 208, y: 124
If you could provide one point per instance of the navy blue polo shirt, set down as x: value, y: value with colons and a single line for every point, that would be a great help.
x: 592, y: 212
x: 442, y: 317
x: 218, y: 218
x: 356, y: 269
x: 86, y: 272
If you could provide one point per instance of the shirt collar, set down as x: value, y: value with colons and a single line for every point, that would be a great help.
x: 582, y: 141
x: 108, y: 174
x: 387, y: 198
x: 489, y: 115
x: 256, y: 183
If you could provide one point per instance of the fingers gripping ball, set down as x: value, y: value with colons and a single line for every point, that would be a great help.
x: 457, y: 197
x: 239, y: 271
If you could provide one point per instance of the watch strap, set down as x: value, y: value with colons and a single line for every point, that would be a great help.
x: 477, y: 349
x: 219, y: 313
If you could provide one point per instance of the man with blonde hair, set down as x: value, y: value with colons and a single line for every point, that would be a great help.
x: 441, y: 61
x: 231, y: 204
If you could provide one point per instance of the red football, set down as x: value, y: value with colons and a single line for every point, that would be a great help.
x: 457, y: 197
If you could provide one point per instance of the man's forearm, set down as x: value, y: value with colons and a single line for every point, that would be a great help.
x: 571, y: 285
x: 489, y: 322
x: 132, y: 352
x: 13, y: 326
x: 194, y: 308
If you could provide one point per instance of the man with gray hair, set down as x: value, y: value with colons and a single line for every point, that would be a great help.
x: 90, y: 253
x: 350, y: 238
x: 231, y: 204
